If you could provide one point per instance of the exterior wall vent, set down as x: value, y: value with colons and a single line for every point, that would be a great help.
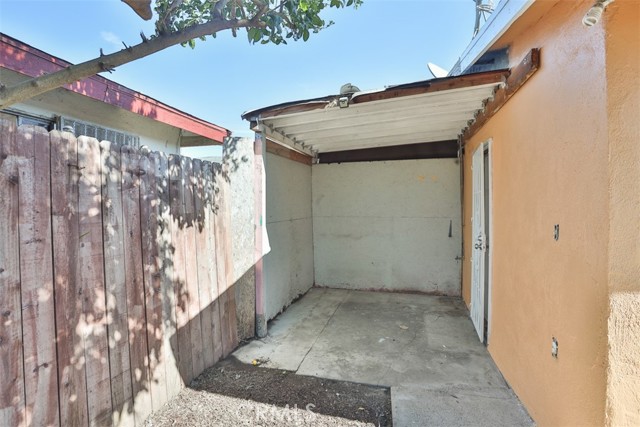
x: 99, y: 132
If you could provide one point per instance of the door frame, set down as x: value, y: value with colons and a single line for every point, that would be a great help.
x: 487, y: 146
x: 487, y: 194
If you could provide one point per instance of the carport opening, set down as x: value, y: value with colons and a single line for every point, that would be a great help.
x: 366, y: 195
x: 362, y: 215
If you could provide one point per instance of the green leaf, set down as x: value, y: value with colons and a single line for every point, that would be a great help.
x: 286, y: 19
x: 254, y: 34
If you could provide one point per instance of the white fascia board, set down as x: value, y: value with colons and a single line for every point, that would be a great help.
x: 499, y: 22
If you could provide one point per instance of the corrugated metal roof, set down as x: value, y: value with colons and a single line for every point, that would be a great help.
x: 427, y: 111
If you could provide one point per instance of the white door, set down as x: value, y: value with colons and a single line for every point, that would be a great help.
x: 478, y: 242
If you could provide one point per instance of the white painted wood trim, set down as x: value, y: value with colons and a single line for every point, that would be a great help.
x: 489, y: 145
x: 261, y: 242
x: 499, y: 22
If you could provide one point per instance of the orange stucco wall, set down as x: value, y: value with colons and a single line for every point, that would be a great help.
x: 550, y: 153
x: 623, y: 104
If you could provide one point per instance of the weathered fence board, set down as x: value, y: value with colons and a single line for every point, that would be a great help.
x: 152, y: 262
x: 225, y: 263
x: 135, y: 283
x: 115, y: 269
x: 118, y: 328
x: 92, y: 284
x: 167, y: 255
x: 69, y: 312
x: 210, y: 191
x: 203, y: 262
x: 176, y: 192
x: 36, y: 277
x: 12, y: 398
x: 191, y: 265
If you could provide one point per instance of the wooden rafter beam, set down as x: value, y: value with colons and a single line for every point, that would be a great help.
x: 517, y: 78
x: 287, y: 153
x: 277, y: 135
x: 427, y: 150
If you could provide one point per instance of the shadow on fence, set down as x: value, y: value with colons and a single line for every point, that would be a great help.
x: 115, y: 277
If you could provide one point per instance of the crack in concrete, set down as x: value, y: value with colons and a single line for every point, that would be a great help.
x: 323, y: 328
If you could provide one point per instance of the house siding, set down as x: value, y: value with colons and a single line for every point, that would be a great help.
x: 549, y: 156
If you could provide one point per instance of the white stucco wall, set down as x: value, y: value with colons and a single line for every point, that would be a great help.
x: 239, y: 159
x: 385, y: 225
x: 288, y: 267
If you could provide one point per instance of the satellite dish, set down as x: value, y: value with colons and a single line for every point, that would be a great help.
x: 348, y: 89
x: 436, y: 71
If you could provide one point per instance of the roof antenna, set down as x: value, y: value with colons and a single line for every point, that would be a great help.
x: 483, y: 10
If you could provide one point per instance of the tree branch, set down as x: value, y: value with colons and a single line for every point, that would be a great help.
x: 39, y: 85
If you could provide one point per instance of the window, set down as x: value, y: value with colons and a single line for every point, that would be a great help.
x: 99, y: 132
x: 22, y: 118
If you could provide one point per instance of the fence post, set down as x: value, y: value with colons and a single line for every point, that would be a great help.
x: 260, y: 199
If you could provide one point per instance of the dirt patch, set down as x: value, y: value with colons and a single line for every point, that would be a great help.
x: 234, y: 394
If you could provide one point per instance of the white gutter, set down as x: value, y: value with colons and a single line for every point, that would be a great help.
x: 498, y: 23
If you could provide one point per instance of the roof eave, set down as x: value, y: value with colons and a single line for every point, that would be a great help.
x: 497, y: 24
x: 390, y: 92
x: 32, y: 62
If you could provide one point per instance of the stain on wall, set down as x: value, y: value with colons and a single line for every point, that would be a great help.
x: 239, y: 159
x: 245, y: 289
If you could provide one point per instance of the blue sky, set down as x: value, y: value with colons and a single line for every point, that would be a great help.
x: 383, y: 42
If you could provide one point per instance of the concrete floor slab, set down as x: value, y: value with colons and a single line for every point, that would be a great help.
x: 457, y: 406
x: 292, y: 334
x: 423, y: 347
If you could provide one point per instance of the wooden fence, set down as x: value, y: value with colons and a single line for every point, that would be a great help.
x: 115, y: 278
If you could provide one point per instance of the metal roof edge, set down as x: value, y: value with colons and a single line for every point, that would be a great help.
x: 395, y: 91
x: 253, y: 114
x: 440, y: 83
x: 499, y: 22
